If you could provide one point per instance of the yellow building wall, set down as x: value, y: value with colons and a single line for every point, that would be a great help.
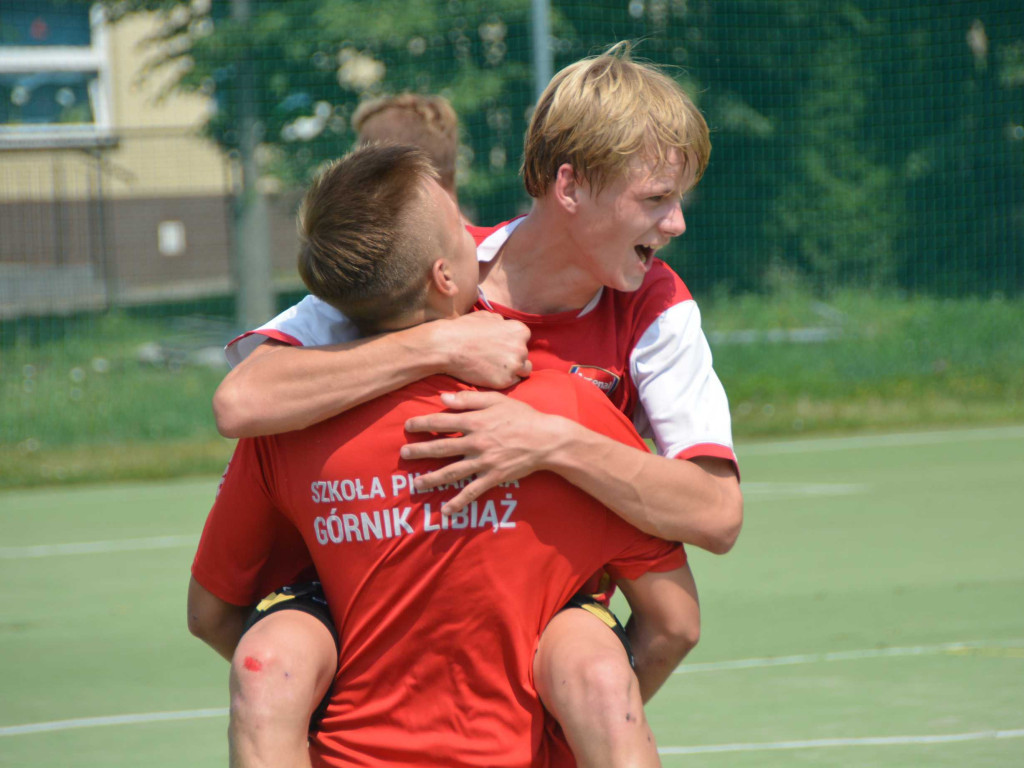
x: 159, y: 150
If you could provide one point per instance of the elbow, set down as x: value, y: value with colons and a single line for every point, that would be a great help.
x: 206, y: 614
x: 730, y: 521
x: 198, y: 625
x: 229, y: 412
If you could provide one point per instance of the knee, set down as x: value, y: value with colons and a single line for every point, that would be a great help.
x: 610, y: 677
x: 267, y: 679
x: 669, y: 644
x: 680, y: 636
x: 601, y: 678
x: 255, y: 668
x: 686, y: 634
x: 282, y: 666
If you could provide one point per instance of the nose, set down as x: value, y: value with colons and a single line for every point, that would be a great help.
x: 672, y: 223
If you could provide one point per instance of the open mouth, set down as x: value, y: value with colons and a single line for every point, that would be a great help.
x: 645, y: 253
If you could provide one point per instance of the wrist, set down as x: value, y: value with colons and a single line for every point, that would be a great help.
x: 562, y: 450
x: 426, y: 347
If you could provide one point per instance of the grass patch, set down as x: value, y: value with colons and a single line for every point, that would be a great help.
x: 122, y: 461
x: 916, y: 547
x: 885, y: 363
x: 115, y: 397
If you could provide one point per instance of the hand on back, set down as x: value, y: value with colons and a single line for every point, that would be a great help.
x: 496, y: 439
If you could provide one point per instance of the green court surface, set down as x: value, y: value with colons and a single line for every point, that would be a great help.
x: 872, y: 614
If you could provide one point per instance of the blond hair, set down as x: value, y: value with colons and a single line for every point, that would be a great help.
x: 601, y: 112
x: 418, y: 120
x: 360, y: 248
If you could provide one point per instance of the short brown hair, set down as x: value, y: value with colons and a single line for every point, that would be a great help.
x: 601, y: 112
x: 418, y: 120
x: 358, y: 249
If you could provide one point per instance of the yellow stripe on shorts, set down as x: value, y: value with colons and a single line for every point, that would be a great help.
x: 273, y: 599
x: 602, y: 613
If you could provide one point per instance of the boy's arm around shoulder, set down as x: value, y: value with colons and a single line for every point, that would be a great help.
x: 280, y: 387
x: 500, y: 439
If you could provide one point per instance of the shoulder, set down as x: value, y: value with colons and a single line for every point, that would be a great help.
x: 563, y: 394
x: 662, y: 298
x: 493, y: 236
x: 662, y: 288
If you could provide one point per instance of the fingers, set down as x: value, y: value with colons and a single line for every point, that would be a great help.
x: 466, y: 400
x: 447, y: 475
x: 487, y: 350
x: 441, y: 448
x: 453, y: 473
x: 470, y: 400
x: 466, y: 496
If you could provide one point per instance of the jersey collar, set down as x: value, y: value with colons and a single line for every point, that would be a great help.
x: 489, y: 247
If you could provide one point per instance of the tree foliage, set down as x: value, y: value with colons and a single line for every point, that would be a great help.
x: 867, y: 142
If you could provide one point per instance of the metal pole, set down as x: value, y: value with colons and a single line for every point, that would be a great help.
x: 540, y: 11
x: 255, y: 297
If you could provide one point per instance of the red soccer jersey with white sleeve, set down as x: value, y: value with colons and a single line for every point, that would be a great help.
x: 645, y: 350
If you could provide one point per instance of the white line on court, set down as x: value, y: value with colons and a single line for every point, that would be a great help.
x: 867, y: 741
x: 196, y: 714
x: 803, y: 489
x: 880, y: 441
x: 93, y: 722
x: 96, y: 547
x: 961, y: 648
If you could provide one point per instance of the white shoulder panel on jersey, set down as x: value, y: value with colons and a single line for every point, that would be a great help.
x: 682, y: 402
x: 310, y: 323
x: 487, y: 249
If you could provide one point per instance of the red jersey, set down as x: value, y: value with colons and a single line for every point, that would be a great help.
x: 438, y: 618
x: 645, y: 350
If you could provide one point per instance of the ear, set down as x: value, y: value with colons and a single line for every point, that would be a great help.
x: 566, y: 188
x: 442, y: 279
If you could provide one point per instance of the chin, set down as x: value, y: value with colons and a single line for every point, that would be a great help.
x: 629, y: 283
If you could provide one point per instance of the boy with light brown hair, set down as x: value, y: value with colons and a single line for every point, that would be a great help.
x: 427, y: 122
x: 612, y: 148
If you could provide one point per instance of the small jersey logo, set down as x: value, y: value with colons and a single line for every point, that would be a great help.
x: 603, y: 379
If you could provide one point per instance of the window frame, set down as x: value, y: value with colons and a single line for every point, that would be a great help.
x: 66, y: 58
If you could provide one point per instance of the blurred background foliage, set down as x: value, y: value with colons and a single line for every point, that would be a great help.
x: 866, y: 143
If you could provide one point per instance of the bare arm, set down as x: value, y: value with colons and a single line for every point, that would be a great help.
x: 696, y: 502
x: 217, y: 623
x: 280, y: 388
x: 661, y: 628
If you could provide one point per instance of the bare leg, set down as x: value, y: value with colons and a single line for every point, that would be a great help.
x: 584, y: 679
x: 281, y: 670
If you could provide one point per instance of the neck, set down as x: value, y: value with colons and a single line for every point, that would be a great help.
x: 536, y: 270
x: 408, y: 320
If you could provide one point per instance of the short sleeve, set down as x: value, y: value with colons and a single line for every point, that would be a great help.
x: 248, y: 547
x: 645, y: 555
x: 310, y: 323
x: 683, y: 405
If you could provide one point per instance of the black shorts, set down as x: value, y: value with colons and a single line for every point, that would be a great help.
x: 307, y: 597
x: 591, y: 605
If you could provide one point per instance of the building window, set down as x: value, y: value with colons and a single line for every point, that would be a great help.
x: 54, y: 75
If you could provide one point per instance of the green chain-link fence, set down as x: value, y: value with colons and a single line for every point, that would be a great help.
x: 872, y: 146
